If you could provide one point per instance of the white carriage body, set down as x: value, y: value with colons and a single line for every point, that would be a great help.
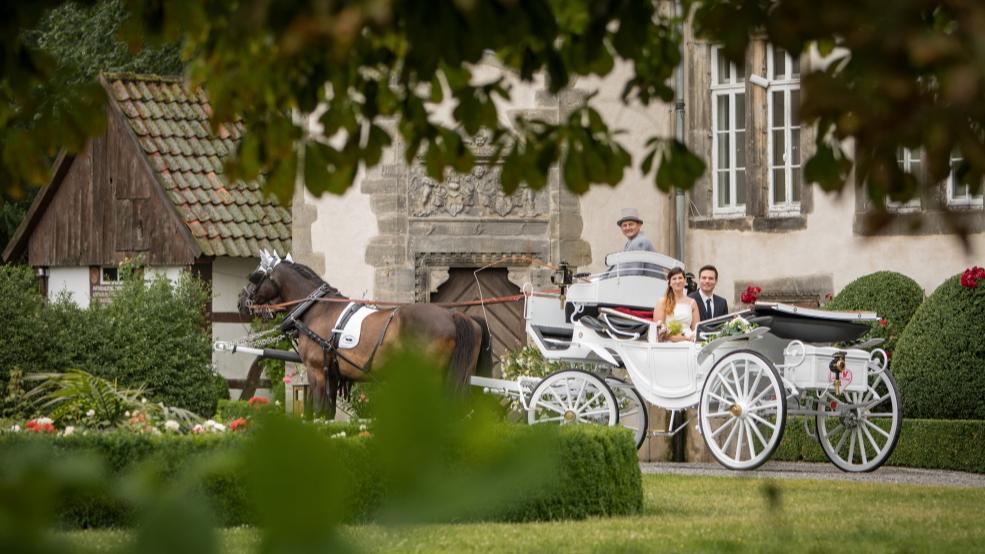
x: 811, y: 370
x: 741, y: 384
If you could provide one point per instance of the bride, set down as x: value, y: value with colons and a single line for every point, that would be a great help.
x: 676, y: 306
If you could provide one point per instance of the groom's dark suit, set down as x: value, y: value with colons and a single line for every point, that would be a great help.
x: 719, y: 305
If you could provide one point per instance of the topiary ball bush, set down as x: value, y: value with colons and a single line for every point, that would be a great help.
x: 894, y: 296
x: 939, y: 361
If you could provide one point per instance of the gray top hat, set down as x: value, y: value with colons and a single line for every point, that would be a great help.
x: 629, y: 214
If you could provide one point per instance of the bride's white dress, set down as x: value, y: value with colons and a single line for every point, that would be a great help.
x: 682, y: 314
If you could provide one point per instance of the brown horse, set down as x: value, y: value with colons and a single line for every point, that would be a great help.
x: 459, y: 344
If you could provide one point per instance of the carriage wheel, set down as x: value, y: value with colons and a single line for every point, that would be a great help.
x: 632, y: 409
x: 859, y: 430
x: 743, y: 410
x: 572, y: 397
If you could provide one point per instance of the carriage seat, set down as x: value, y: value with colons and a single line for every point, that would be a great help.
x: 615, y: 328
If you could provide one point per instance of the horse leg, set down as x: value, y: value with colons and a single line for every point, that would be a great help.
x: 320, y: 405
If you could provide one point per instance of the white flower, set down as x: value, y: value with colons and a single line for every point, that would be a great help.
x: 212, y: 425
x: 143, y: 400
x: 126, y: 413
x: 172, y: 425
x: 198, y: 428
x: 155, y: 431
x: 362, y: 427
x: 16, y: 428
x: 339, y: 435
x: 69, y: 430
x: 90, y: 413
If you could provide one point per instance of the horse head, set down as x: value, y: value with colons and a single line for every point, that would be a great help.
x: 265, y: 285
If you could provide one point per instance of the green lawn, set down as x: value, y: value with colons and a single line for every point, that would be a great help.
x: 702, y: 514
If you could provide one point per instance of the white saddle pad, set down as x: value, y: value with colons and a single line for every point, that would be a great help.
x: 349, y: 335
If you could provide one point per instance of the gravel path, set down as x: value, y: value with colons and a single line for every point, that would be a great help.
x: 825, y: 472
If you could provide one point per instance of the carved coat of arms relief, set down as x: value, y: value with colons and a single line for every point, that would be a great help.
x: 476, y: 194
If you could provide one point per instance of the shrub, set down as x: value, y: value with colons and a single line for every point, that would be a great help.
x: 924, y: 443
x: 24, y: 338
x: 894, y: 296
x: 597, y: 474
x: 229, y: 410
x: 940, y: 360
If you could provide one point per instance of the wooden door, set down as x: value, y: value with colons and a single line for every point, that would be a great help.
x: 505, y: 320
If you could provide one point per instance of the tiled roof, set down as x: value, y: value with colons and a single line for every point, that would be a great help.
x: 172, y: 126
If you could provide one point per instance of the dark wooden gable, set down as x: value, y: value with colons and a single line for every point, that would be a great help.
x: 108, y: 205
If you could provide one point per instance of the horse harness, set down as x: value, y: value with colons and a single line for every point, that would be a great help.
x: 294, y: 326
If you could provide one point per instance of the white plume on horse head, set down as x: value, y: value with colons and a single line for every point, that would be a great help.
x: 288, y: 258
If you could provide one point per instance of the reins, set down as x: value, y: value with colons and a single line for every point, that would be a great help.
x: 496, y: 300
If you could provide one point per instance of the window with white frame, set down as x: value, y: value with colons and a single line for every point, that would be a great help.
x: 783, y: 99
x: 958, y: 193
x: 728, y: 150
x: 910, y: 162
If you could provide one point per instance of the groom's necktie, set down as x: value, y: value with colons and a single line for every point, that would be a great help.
x: 711, y: 312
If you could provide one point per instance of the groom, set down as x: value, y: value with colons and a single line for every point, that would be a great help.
x: 709, y: 304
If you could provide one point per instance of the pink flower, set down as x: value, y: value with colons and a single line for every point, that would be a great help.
x: 288, y: 379
x: 198, y: 429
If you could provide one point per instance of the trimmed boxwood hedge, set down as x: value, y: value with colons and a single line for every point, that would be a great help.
x: 598, y: 474
x: 939, y: 362
x: 894, y: 296
x: 957, y: 445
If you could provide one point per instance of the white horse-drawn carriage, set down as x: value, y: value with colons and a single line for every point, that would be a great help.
x: 746, y: 373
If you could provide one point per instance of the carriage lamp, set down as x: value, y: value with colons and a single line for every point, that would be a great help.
x: 837, y: 366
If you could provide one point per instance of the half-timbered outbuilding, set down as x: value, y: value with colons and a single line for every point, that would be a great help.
x: 153, y: 186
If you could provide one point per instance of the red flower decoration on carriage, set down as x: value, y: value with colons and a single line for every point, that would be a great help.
x: 750, y: 295
x: 971, y: 276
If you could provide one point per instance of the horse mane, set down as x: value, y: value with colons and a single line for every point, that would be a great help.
x: 307, y: 273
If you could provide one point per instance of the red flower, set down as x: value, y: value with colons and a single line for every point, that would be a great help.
x: 35, y: 427
x: 883, y: 322
x: 971, y: 276
x: 750, y: 295
x: 258, y: 400
x: 238, y: 423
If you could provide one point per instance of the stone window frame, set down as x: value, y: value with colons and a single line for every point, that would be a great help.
x: 698, y: 134
x: 731, y: 88
x: 907, y: 159
x: 967, y: 199
x: 934, y: 215
x: 787, y: 85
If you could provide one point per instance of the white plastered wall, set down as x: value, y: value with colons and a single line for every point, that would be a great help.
x: 828, y: 246
x: 71, y: 280
x: 340, y: 233
x: 229, y: 276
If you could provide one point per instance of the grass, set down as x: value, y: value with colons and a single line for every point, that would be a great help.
x: 699, y: 514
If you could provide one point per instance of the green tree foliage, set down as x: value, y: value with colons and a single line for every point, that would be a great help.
x: 894, y: 296
x: 907, y: 73
x: 939, y: 361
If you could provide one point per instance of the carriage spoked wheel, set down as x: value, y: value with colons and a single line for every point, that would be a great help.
x: 743, y: 410
x: 859, y: 430
x: 633, y: 414
x: 571, y: 397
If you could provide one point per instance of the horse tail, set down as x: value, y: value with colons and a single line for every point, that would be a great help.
x: 485, y: 366
x: 462, y: 356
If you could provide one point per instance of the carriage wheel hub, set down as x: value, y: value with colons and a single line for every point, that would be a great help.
x: 569, y: 415
x: 735, y: 410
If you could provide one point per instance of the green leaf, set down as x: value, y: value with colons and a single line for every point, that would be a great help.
x: 679, y: 168
x: 826, y: 169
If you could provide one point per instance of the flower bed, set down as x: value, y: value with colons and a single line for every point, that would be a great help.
x: 596, y: 472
